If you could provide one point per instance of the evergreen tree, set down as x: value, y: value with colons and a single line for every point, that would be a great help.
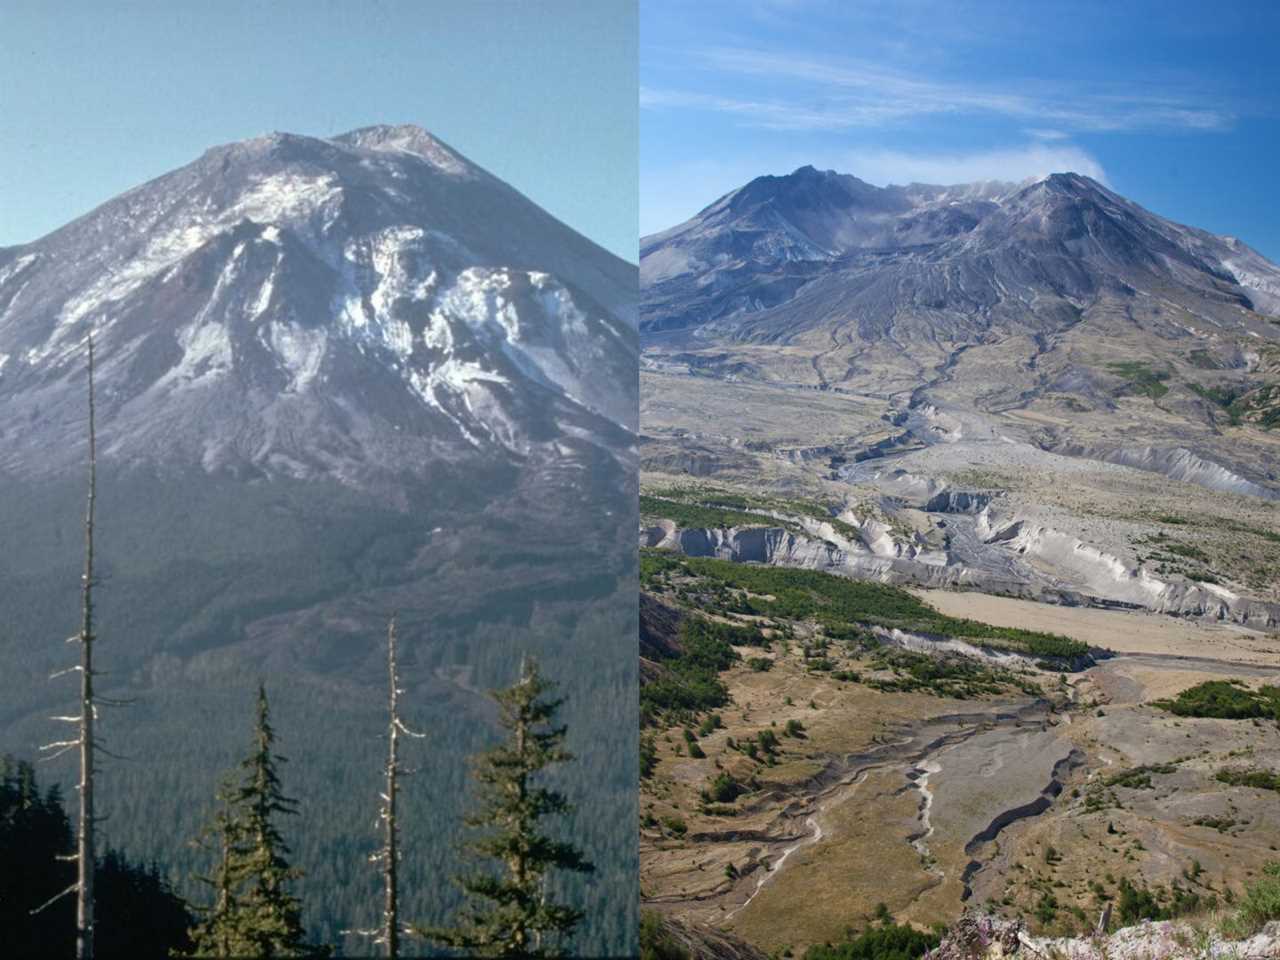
x: 253, y: 913
x: 34, y: 834
x: 510, y: 911
x: 215, y: 935
x: 141, y: 916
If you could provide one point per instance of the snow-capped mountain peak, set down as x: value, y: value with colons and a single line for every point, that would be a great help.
x: 411, y: 139
x: 368, y: 286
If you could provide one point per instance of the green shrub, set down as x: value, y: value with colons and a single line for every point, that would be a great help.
x: 648, y: 756
x: 694, y: 516
x: 1046, y: 908
x: 1225, y: 700
x: 675, y: 825
x: 768, y: 741
x: 1259, y: 779
x: 844, y: 607
x: 1143, y: 380
x: 886, y: 942
x: 1260, y: 905
x: 723, y: 789
x: 1139, y: 778
x: 1137, y: 903
x: 689, y: 683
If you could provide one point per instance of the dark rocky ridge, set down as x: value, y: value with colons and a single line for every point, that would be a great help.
x: 979, y: 255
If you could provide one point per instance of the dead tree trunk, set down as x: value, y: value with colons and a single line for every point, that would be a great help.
x: 391, y: 847
x: 390, y: 853
x: 84, y: 721
x: 389, y: 931
x: 85, y: 851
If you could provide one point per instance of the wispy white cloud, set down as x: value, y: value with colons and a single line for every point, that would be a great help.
x: 830, y: 95
x: 773, y: 113
x: 883, y: 167
x: 1042, y: 134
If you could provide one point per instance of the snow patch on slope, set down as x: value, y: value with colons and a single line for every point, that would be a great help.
x: 530, y: 331
x: 285, y: 198
x: 1265, y: 288
x: 12, y: 270
x: 301, y: 352
x: 206, y: 344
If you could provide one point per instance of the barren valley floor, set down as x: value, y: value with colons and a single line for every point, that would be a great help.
x: 928, y: 803
x: 947, y: 754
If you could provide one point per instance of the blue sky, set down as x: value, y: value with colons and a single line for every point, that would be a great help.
x: 1175, y: 105
x: 96, y: 98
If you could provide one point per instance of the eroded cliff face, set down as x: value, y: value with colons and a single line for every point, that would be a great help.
x: 1106, y: 577
x: 1018, y: 554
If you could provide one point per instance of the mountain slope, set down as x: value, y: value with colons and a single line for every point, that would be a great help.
x: 1054, y: 300
x: 995, y: 232
x: 336, y: 378
x: 377, y: 291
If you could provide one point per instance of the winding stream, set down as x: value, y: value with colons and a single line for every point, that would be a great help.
x: 918, y: 755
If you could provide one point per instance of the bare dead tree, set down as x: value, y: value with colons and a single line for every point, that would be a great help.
x: 388, y: 935
x: 391, y: 927
x: 85, y: 855
x: 391, y: 846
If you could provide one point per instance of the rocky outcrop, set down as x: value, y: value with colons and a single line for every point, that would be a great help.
x: 778, y: 546
x: 659, y: 630
x: 763, y: 544
x: 958, y: 501
x: 1066, y: 569
x: 1103, y: 575
x: 980, y: 936
x: 1177, y: 463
